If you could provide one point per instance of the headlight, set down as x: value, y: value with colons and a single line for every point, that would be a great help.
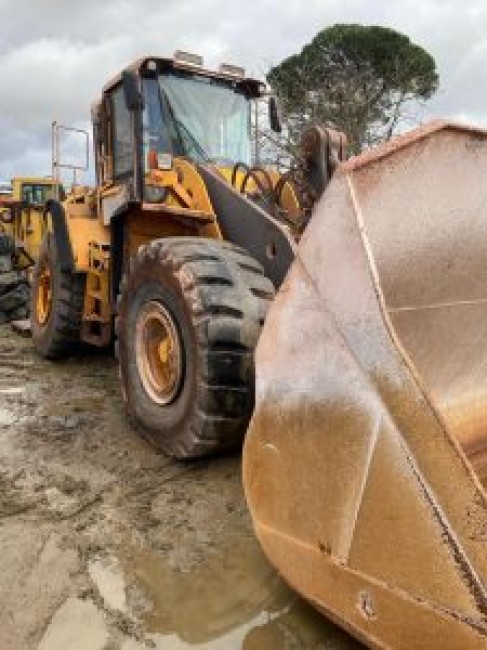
x: 155, y: 194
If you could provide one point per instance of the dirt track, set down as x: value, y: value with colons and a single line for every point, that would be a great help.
x: 108, y: 545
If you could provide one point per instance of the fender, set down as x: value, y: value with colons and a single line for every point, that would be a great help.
x: 117, y: 244
x: 61, y: 234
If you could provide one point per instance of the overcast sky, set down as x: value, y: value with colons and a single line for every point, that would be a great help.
x: 55, y: 55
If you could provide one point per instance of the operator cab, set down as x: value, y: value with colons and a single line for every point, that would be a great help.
x: 158, y: 109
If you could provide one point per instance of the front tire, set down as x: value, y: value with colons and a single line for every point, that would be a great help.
x: 189, y: 317
x: 56, y: 304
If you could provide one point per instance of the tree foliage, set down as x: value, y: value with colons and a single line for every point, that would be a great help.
x: 361, y: 80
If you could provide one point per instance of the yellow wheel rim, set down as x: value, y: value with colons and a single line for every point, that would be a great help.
x: 44, y: 296
x: 158, y: 353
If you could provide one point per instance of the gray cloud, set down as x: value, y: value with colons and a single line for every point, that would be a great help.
x: 55, y: 55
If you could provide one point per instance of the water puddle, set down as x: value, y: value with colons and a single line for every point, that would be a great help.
x: 235, y: 600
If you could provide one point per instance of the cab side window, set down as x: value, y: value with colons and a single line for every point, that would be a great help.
x: 123, y: 147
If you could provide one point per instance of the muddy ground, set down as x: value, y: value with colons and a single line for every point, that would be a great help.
x: 106, y: 544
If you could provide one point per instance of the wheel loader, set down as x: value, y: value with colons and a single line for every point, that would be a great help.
x: 22, y: 227
x: 365, y: 458
x: 22, y: 214
x: 175, y: 255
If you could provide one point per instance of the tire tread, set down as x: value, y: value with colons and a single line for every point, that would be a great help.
x: 228, y: 297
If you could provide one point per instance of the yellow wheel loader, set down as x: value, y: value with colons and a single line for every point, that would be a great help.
x: 22, y: 228
x: 365, y: 461
x: 175, y: 255
x: 22, y: 215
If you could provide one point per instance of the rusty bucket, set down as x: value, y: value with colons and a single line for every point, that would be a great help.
x: 364, y: 461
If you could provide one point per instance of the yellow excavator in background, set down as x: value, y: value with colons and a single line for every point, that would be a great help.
x: 364, y: 461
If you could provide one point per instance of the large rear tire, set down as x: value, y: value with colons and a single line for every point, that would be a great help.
x: 189, y: 316
x: 56, y: 304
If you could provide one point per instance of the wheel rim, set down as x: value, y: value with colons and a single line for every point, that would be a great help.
x: 158, y: 353
x: 44, y: 296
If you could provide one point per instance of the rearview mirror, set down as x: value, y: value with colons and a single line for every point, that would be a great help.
x: 275, y: 118
x: 130, y: 84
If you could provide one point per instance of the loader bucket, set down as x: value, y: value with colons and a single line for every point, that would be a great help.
x: 366, y: 454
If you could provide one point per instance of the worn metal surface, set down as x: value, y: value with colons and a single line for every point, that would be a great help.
x: 364, y: 459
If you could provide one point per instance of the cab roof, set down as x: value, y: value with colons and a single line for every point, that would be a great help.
x: 252, y: 87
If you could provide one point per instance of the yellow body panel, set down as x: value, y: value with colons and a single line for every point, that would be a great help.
x: 83, y: 231
x: 187, y: 194
x: 185, y: 211
x: 144, y: 227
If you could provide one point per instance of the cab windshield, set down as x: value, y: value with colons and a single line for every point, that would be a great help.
x: 197, y: 117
